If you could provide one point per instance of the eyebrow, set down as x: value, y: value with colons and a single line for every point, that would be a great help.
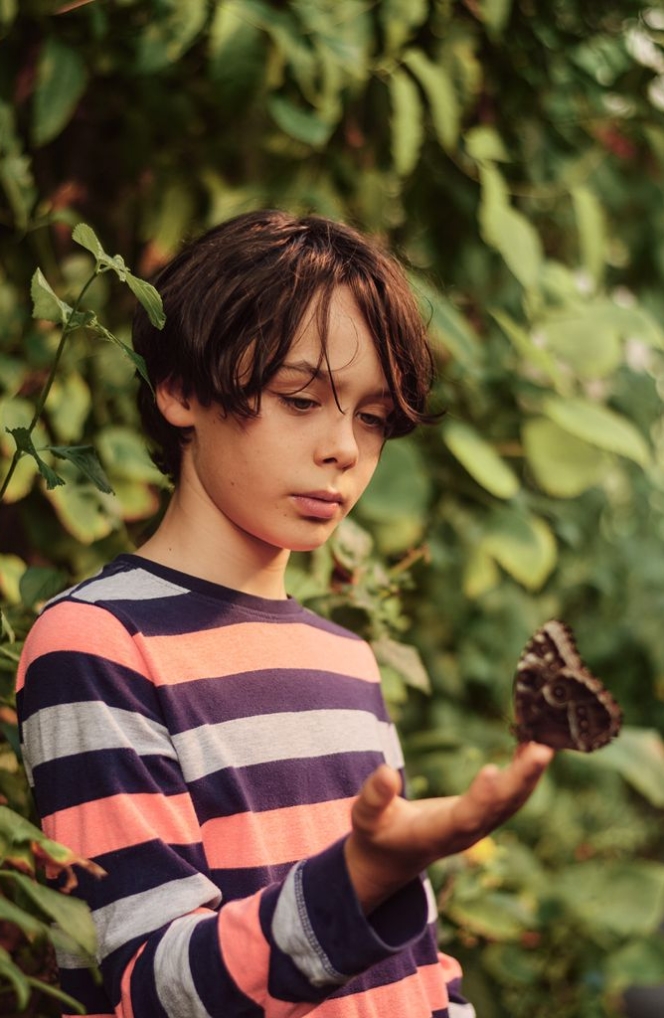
x: 320, y: 372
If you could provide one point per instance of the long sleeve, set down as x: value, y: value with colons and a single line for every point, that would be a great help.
x: 226, y: 891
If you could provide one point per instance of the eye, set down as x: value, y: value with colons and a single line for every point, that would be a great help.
x: 373, y: 421
x: 300, y: 404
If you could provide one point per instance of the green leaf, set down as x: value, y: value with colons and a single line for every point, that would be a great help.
x: 639, y: 963
x: 480, y: 459
x: 237, y: 51
x: 407, y: 128
x: 12, y: 568
x: 523, y: 545
x: 400, y: 487
x: 592, y: 230
x: 495, y: 14
x: 439, y: 90
x: 302, y: 124
x: 131, y: 355
x: 540, y: 358
x: 404, y: 659
x: 85, y: 236
x: 149, y: 298
x: 69, y: 913
x: 26, y: 447
x: 621, y: 899
x: 484, y: 144
x: 85, y: 459
x: 604, y: 316
x: 399, y: 19
x: 124, y: 454
x: 12, y: 913
x: 10, y: 972
x: 16, y: 176
x: 508, y: 231
x: 563, y: 465
x: 496, y: 915
x: 68, y: 405
x: 589, y: 344
x: 638, y: 755
x: 447, y: 325
x: 598, y: 425
x: 83, y: 512
x: 61, y: 81
x: 45, y: 304
x: 39, y: 583
x: 351, y: 545
x: 480, y: 573
x: 167, y: 36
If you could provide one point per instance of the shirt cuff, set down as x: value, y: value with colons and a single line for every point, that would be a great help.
x: 319, y: 923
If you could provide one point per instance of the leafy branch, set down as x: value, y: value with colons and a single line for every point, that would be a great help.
x: 37, y: 911
x: 47, y: 306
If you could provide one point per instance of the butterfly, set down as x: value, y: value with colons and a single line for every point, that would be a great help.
x: 557, y: 700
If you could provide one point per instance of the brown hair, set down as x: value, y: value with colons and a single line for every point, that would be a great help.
x: 236, y: 298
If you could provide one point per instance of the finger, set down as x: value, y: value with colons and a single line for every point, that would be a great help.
x: 511, y: 786
x: 534, y: 753
x: 376, y: 794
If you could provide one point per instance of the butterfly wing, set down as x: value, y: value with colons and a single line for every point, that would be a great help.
x: 557, y: 700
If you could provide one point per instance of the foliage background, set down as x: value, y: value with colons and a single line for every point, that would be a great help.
x: 512, y: 154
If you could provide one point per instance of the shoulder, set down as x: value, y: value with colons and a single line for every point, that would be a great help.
x: 326, y: 625
x: 98, y: 616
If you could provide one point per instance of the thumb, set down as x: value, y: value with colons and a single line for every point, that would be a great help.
x: 375, y: 796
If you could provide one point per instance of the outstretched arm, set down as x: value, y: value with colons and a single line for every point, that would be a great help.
x: 393, y: 839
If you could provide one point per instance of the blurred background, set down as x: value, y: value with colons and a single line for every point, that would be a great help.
x: 512, y: 154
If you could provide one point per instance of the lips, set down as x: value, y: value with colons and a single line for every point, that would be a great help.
x: 321, y: 505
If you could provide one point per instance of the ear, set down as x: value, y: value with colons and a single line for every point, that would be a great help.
x: 173, y: 406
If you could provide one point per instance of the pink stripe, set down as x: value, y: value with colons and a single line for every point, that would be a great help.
x: 247, y: 956
x: 80, y: 627
x: 255, y: 646
x: 118, y: 821
x: 124, y: 1008
x: 450, y: 966
x: 413, y: 997
x: 275, y: 836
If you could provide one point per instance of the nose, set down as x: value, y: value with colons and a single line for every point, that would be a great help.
x: 338, y: 442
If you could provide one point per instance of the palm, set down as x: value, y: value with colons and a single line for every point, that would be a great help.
x: 394, y: 839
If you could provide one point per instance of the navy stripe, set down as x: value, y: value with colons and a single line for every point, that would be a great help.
x: 215, y: 699
x: 242, y: 883
x: 144, y: 998
x: 211, y: 978
x: 71, y: 781
x: 139, y: 868
x: 65, y: 677
x: 82, y: 985
x: 281, y: 783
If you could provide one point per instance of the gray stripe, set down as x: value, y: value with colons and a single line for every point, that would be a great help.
x: 294, y: 935
x: 135, y: 585
x: 432, y: 907
x: 269, y: 737
x: 461, y: 1010
x: 174, y: 980
x: 84, y: 727
x: 137, y: 915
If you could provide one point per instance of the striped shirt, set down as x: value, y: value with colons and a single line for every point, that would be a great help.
x: 205, y: 746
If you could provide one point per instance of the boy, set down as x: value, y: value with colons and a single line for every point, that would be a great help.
x: 199, y: 734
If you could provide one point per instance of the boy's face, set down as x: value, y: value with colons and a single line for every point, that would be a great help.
x: 286, y: 478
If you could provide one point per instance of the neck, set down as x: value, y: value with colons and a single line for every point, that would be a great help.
x: 214, y: 549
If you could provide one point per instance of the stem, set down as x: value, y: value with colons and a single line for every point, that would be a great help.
x: 55, y: 991
x: 67, y: 329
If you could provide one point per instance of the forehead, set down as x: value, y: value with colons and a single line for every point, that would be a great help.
x: 339, y: 344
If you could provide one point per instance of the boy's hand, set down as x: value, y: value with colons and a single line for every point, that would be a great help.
x: 393, y: 839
